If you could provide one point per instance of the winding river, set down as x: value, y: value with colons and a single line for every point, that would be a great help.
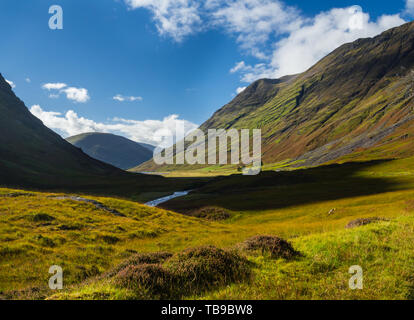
x: 158, y: 201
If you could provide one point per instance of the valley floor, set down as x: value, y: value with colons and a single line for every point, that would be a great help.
x: 309, y: 208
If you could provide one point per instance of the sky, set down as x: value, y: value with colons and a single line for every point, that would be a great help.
x: 140, y: 67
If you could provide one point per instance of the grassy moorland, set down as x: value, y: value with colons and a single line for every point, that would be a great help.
x: 100, y: 251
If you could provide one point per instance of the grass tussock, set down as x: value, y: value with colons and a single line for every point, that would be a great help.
x: 165, y: 276
x: 147, y: 280
x: 211, y: 213
x: 139, y: 259
x: 203, y: 268
x: 363, y: 222
x: 275, y: 246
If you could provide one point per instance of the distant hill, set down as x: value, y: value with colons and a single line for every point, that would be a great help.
x: 357, y: 102
x: 116, y: 150
x: 32, y: 154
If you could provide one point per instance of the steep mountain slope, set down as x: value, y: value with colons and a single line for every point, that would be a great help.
x: 33, y: 156
x: 116, y: 150
x: 356, y: 98
x: 32, y: 153
x: 353, y: 98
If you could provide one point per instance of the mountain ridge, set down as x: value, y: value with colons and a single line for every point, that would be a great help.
x: 31, y: 153
x: 113, y: 149
x: 359, y: 89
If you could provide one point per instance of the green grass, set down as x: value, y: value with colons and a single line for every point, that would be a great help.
x: 37, y: 231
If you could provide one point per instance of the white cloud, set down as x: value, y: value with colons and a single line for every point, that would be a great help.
x: 148, y: 131
x: 175, y: 18
x: 121, y: 98
x: 409, y: 7
x: 76, y: 94
x: 11, y: 83
x: 240, y: 89
x: 28, y: 80
x: 80, y: 95
x: 313, y: 40
x: 254, y: 21
x: 54, y: 86
x: 280, y: 37
x: 239, y: 66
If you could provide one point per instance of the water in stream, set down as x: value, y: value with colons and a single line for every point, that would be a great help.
x: 157, y: 202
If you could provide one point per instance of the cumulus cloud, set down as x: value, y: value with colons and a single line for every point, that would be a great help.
x: 11, y: 83
x: 54, y: 86
x: 175, y: 18
x: 280, y: 37
x: 409, y: 7
x: 314, y: 39
x: 121, y: 98
x: 254, y: 21
x: 240, y: 89
x: 28, y: 80
x: 156, y: 132
x: 80, y: 95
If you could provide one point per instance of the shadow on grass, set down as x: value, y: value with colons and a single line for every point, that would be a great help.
x: 275, y: 190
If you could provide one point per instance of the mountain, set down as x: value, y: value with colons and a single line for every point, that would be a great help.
x: 33, y: 156
x: 30, y: 153
x: 357, y: 102
x: 116, y: 150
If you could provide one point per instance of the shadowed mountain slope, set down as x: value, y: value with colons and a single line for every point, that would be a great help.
x: 116, y: 150
x: 30, y: 153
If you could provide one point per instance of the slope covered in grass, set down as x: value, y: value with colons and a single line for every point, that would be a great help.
x: 352, y: 100
x: 38, y: 230
x: 309, y: 208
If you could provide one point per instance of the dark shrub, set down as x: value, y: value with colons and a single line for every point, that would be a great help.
x: 211, y: 213
x: 70, y: 227
x: 151, y: 280
x: 207, y: 267
x: 277, y: 247
x: 44, y: 241
x: 363, y: 222
x: 41, y: 217
x: 138, y: 259
x: 108, y: 239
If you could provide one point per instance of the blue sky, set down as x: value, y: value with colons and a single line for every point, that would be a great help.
x: 136, y: 67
